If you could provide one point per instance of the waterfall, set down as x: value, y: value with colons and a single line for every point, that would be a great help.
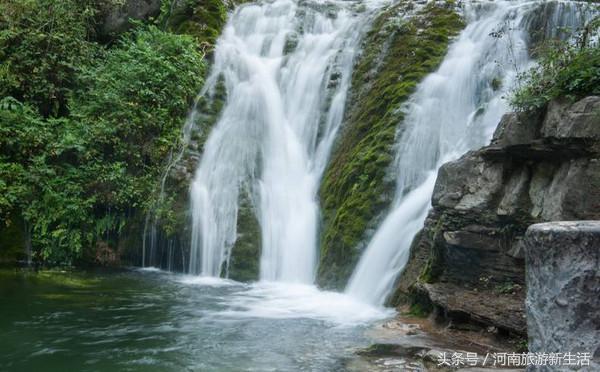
x: 286, y: 67
x: 454, y: 109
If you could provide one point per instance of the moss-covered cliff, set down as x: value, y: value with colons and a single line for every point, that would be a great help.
x: 202, y: 19
x: 402, y: 47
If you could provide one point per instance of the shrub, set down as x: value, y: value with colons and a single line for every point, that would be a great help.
x: 73, y: 166
x: 569, y: 69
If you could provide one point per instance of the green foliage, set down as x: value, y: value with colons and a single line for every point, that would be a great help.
x: 418, y: 310
x: 84, y: 136
x: 565, y: 69
x: 202, y: 19
x: 36, y: 185
x: 134, y: 102
x: 507, y: 288
x: 522, y: 346
x: 397, y: 54
x: 43, y: 46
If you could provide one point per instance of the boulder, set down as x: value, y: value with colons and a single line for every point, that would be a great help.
x: 563, y: 290
x: 514, y: 129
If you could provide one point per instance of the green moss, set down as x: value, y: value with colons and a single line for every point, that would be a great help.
x: 435, y: 263
x: 496, y: 84
x: 202, y: 19
x: 417, y: 310
x: 245, y: 255
x: 379, y: 350
x: 398, y: 53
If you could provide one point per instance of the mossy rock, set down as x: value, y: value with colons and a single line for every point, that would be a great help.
x: 244, y: 261
x: 398, y: 52
x: 202, y: 19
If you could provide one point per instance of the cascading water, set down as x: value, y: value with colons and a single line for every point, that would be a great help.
x: 453, y: 110
x: 286, y: 68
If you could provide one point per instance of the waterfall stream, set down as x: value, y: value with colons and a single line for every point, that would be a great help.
x: 454, y: 110
x: 286, y: 67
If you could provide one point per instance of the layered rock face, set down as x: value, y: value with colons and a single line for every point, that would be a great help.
x: 469, y: 258
x: 563, y: 289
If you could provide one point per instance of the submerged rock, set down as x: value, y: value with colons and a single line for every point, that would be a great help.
x: 563, y: 290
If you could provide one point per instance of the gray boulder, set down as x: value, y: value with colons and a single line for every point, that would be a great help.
x: 563, y: 291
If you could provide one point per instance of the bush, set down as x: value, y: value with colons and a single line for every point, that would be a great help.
x: 81, y: 152
x: 43, y: 46
x: 565, y: 69
x: 132, y: 110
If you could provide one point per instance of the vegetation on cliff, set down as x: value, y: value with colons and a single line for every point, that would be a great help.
x: 85, y: 127
x: 566, y: 69
x: 399, y: 51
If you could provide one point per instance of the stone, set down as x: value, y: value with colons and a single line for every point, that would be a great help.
x: 563, y: 290
x: 487, y: 307
x: 116, y: 19
x: 578, y: 120
x: 570, y: 192
x: 517, y: 249
x: 467, y: 184
x: 514, y: 129
x: 515, y: 193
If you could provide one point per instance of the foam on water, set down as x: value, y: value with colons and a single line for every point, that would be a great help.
x: 210, y: 281
x: 149, y: 269
x: 273, y: 300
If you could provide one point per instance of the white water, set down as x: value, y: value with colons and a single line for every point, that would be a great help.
x: 273, y: 300
x: 275, y: 132
x: 453, y: 110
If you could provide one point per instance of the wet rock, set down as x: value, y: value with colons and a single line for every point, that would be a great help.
x: 469, y: 184
x: 506, y: 311
x: 243, y: 264
x: 563, y: 289
x: 116, y: 19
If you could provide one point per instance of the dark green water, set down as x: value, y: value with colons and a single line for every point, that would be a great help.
x: 154, y: 321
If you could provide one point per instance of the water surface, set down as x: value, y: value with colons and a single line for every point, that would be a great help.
x: 148, y: 320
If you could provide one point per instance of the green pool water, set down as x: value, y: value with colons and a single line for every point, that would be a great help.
x: 147, y: 320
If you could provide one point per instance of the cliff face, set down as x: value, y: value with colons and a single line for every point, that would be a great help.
x: 469, y: 260
x: 404, y: 45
